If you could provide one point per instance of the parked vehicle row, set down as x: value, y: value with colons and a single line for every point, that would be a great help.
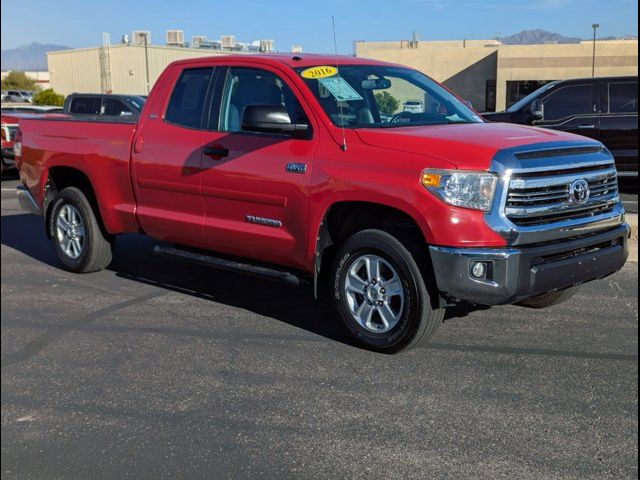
x: 605, y: 109
x: 17, y: 96
x: 283, y: 166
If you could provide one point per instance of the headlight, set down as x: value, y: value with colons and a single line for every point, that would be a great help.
x: 462, y: 188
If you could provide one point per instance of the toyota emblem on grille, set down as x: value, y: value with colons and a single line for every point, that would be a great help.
x: 579, y: 192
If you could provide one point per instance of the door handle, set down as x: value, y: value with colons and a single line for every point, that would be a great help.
x: 216, y: 151
x: 586, y: 127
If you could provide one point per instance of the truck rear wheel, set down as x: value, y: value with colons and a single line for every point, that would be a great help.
x: 381, y: 295
x: 549, y: 299
x: 79, y: 242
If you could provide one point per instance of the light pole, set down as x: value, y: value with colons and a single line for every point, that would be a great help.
x: 146, y: 59
x: 595, y: 27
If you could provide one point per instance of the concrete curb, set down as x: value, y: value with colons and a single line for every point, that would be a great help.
x: 632, y: 219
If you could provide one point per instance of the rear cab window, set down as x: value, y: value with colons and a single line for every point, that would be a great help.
x: 189, y: 98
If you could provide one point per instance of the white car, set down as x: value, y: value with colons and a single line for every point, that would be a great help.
x: 18, y: 96
x: 414, y: 106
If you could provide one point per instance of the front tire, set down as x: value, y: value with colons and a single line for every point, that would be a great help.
x: 79, y: 242
x: 380, y: 293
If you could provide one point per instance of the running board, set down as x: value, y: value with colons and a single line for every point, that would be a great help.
x: 229, y: 265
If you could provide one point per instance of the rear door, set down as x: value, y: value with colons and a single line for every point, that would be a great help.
x: 573, y: 108
x: 255, y: 186
x: 620, y: 123
x: 167, y: 161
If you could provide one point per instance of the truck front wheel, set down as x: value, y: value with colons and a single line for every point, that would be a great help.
x: 79, y: 242
x: 381, y: 295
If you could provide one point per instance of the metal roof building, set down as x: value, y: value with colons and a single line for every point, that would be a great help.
x: 121, y: 68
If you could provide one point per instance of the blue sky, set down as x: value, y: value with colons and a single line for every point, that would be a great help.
x: 80, y: 23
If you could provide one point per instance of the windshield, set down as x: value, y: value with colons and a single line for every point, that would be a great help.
x: 529, y: 98
x: 373, y: 96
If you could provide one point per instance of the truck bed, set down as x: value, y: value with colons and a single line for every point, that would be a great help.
x: 99, y: 147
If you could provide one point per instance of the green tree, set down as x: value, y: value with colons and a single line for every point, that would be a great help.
x: 18, y: 81
x: 387, y: 103
x: 48, y: 97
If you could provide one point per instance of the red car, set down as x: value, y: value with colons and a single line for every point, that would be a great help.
x: 294, y: 168
x: 8, y: 130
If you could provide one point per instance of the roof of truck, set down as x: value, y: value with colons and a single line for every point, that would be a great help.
x: 293, y: 60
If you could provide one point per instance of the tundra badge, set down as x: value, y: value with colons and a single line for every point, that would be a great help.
x: 297, y: 168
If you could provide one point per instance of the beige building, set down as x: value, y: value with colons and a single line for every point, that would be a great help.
x: 490, y: 75
x: 493, y: 76
x: 130, y: 69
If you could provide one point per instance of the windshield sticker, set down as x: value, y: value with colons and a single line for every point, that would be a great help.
x: 340, y: 89
x: 322, y: 71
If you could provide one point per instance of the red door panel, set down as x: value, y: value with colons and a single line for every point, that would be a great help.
x: 167, y: 178
x: 254, y: 206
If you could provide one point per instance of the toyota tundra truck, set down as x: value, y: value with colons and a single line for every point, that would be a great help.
x: 293, y: 167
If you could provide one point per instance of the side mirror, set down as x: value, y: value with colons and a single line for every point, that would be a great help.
x: 537, y: 110
x: 271, y: 119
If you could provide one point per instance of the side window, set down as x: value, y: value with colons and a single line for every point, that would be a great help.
x: 85, y: 105
x: 114, y: 107
x: 568, y: 101
x: 623, y: 97
x: 248, y: 86
x: 188, y: 98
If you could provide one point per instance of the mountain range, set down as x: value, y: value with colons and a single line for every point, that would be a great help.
x: 28, y: 57
x: 538, y: 36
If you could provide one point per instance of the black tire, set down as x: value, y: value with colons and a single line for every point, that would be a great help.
x: 421, y: 315
x: 97, y: 251
x: 549, y: 299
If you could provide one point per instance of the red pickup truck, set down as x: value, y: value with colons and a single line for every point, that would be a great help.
x: 297, y: 169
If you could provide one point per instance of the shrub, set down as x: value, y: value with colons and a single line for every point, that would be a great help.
x: 18, y: 81
x: 48, y: 97
x: 387, y: 103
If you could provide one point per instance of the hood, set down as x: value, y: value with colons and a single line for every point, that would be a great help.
x: 467, y: 146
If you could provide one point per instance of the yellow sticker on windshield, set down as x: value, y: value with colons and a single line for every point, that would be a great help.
x: 322, y: 71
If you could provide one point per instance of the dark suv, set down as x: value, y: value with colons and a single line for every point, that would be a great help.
x: 605, y: 109
x: 96, y: 104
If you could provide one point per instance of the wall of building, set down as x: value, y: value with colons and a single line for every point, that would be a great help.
x: 83, y: 70
x: 463, y: 66
x: 467, y: 66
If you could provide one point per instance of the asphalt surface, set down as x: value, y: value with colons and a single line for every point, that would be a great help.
x: 158, y: 369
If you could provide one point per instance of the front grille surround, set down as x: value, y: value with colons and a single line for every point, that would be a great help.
x: 531, y: 204
x: 545, y: 199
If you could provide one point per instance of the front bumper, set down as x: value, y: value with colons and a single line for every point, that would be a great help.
x: 513, y: 274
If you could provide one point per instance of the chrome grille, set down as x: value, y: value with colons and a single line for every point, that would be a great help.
x: 537, y: 198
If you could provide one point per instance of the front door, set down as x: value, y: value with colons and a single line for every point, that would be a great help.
x: 573, y: 109
x: 167, y: 163
x: 255, y: 186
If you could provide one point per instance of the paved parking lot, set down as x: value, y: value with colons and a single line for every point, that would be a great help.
x: 157, y: 369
